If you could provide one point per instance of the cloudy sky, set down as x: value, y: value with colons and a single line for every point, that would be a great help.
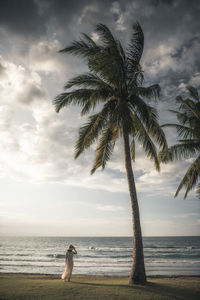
x: 44, y: 191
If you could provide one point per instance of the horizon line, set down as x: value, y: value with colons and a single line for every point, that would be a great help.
x: 94, y: 236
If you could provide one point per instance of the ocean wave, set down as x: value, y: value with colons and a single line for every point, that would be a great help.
x: 56, y: 255
x: 103, y: 256
x: 170, y: 261
x: 117, y: 249
x: 173, y: 255
x: 171, y: 247
x: 26, y: 260
x: 30, y: 265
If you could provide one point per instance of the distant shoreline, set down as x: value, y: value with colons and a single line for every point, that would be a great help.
x: 93, y: 236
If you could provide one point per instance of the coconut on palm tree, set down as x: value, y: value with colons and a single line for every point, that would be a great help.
x: 188, y: 146
x: 113, y: 85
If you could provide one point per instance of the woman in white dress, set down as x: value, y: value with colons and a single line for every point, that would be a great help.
x: 69, y: 263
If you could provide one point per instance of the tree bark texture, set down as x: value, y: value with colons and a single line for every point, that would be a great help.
x: 137, y: 274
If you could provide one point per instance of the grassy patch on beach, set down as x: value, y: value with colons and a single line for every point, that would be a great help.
x: 18, y: 286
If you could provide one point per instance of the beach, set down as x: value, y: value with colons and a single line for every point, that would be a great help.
x: 51, y: 287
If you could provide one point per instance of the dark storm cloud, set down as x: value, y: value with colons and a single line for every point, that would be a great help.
x: 35, y: 18
x: 21, y: 17
x: 167, y: 24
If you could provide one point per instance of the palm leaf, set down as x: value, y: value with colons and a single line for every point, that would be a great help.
x: 198, y: 190
x: 193, y: 92
x: 80, y: 48
x: 185, y: 150
x: 89, y: 132
x: 149, y: 92
x: 139, y: 106
x: 88, y: 80
x: 182, y: 117
x: 104, y: 149
x: 89, y: 40
x: 144, y: 138
x: 132, y: 148
x: 135, y: 48
x: 189, y: 107
x: 106, y: 36
x: 80, y: 97
x: 183, y: 131
x: 190, y: 178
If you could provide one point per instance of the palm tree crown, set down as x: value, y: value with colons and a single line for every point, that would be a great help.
x: 188, y: 130
x: 115, y: 80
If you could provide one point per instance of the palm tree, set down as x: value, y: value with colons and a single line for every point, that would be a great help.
x: 114, y: 86
x: 188, y: 131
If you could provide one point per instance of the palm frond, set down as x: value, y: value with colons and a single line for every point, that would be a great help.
x: 106, y: 35
x: 88, y: 80
x: 88, y: 106
x: 183, y: 131
x: 135, y: 78
x: 193, y: 92
x: 182, y: 117
x: 189, y: 107
x: 144, y: 138
x: 89, y: 132
x: 198, y: 190
x: 132, y: 148
x: 158, y: 134
x: 82, y: 48
x: 139, y: 106
x: 135, y: 48
x: 182, y: 151
x: 190, y: 178
x: 89, y: 40
x: 108, y: 66
x: 149, y: 117
x: 85, y: 138
x: 149, y: 92
x: 104, y: 149
x: 80, y: 97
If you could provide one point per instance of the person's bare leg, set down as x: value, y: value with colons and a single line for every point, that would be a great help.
x: 69, y: 279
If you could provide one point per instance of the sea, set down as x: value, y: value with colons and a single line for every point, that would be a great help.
x: 167, y: 256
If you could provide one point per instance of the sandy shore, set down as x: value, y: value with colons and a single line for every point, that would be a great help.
x: 28, y: 286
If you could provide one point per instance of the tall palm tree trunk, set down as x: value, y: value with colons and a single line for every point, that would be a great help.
x: 138, y: 274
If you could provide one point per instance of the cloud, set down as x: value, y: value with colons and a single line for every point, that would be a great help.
x: 85, y: 13
x: 43, y: 56
x: 109, y: 208
x: 22, y: 17
x: 19, y: 222
x: 169, y: 227
x: 118, y: 15
x: 187, y: 215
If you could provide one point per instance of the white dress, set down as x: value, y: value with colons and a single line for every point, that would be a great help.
x: 68, y: 265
